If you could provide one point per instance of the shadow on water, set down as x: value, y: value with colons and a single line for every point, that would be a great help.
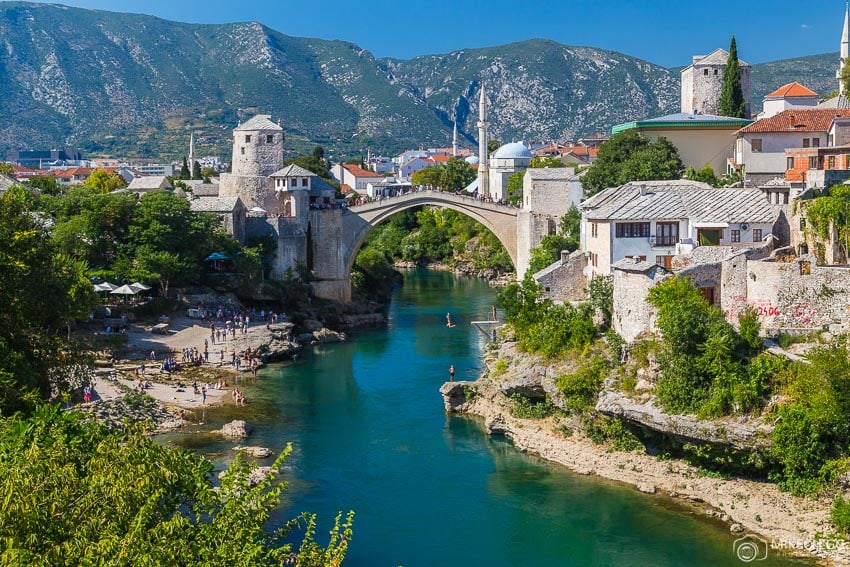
x: 369, y: 433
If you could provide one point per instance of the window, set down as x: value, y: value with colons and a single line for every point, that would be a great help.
x: 736, y: 236
x: 715, y: 71
x: 243, y: 150
x: 756, y: 235
x: 815, y: 142
x: 666, y: 261
x: 304, y: 182
x: 632, y: 230
x: 805, y: 142
x: 270, y: 138
x: 709, y: 236
x: 813, y: 162
x: 247, y: 138
x: 594, y: 260
x: 831, y: 162
x: 705, y: 71
x: 666, y: 233
x: 790, y: 163
x: 594, y: 230
x: 755, y: 144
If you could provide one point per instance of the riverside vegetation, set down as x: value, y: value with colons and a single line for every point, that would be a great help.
x: 60, y: 473
x: 700, y: 365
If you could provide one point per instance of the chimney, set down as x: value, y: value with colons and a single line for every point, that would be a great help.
x: 643, y: 189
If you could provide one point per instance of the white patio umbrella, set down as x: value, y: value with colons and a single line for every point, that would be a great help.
x: 124, y: 290
x: 105, y: 286
x: 139, y: 287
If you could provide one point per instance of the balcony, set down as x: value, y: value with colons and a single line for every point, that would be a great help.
x: 659, y: 241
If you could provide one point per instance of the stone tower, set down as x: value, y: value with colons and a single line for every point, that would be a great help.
x: 845, y: 48
x: 483, y: 154
x: 257, y: 153
x: 702, y: 83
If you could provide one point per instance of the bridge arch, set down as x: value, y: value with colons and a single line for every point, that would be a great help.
x: 359, y: 221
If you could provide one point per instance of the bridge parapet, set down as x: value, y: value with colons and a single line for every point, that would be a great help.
x: 434, y: 197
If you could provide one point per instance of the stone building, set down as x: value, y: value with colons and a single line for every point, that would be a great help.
x: 257, y: 153
x: 702, y: 83
x: 230, y: 210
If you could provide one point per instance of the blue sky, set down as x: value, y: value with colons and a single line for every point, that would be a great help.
x: 662, y: 32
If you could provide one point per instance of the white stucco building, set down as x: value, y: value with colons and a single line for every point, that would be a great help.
x: 655, y: 220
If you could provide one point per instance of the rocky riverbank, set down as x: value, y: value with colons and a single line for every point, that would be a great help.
x: 795, y: 525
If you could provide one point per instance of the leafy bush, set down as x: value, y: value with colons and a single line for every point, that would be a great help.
x: 542, y: 327
x: 82, y: 495
x: 524, y: 407
x: 581, y: 389
x: 840, y: 515
x: 600, y: 429
x: 707, y: 366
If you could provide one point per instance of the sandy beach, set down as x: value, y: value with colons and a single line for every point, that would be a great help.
x: 185, y: 333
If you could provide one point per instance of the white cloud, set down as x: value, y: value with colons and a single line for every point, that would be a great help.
x: 806, y: 26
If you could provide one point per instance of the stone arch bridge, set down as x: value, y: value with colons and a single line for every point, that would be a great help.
x: 337, y: 235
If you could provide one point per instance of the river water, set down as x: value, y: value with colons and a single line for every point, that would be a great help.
x: 367, y: 424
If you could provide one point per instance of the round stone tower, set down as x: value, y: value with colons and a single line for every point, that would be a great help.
x: 257, y: 153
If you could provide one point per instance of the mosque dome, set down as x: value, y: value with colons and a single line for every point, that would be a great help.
x: 472, y: 160
x: 514, y: 150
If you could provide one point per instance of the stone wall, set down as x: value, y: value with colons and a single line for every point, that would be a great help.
x: 329, y: 251
x: 564, y: 281
x: 799, y: 294
x: 253, y: 190
x: 633, y: 316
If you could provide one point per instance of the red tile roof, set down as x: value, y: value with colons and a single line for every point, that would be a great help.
x: 358, y: 171
x: 792, y: 89
x: 441, y: 159
x: 797, y: 121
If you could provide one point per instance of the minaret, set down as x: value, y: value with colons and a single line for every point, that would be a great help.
x: 191, y: 151
x: 845, y: 47
x: 454, y: 141
x: 483, y: 154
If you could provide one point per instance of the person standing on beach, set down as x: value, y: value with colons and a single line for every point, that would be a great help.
x: 204, y: 395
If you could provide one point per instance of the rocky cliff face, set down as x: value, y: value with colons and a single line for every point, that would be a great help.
x: 136, y: 85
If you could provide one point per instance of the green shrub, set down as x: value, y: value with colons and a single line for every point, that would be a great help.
x: 500, y: 367
x: 581, y: 388
x: 524, y: 407
x: 840, y: 515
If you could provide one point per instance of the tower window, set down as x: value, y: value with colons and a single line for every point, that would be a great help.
x: 705, y: 71
x: 270, y: 139
x: 715, y: 71
x: 247, y: 138
x: 243, y: 150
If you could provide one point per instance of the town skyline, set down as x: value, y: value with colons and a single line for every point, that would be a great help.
x: 660, y: 32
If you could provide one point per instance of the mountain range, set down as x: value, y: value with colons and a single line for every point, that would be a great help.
x: 136, y: 85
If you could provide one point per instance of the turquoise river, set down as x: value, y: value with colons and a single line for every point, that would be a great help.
x: 369, y: 433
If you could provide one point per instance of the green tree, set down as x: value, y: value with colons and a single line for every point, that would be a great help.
x: 493, y: 145
x: 104, y: 181
x: 706, y: 175
x: 630, y: 156
x: 456, y: 174
x: 428, y: 176
x: 515, y: 187
x: 550, y: 247
x: 7, y: 169
x: 184, y: 170
x: 45, y: 183
x: 40, y: 292
x: 732, y: 101
x: 314, y: 162
x: 196, y: 171
x: 545, y: 161
x: 79, y: 494
x: 208, y: 172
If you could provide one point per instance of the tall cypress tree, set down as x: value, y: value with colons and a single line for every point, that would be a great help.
x: 732, y: 101
x: 184, y: 171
